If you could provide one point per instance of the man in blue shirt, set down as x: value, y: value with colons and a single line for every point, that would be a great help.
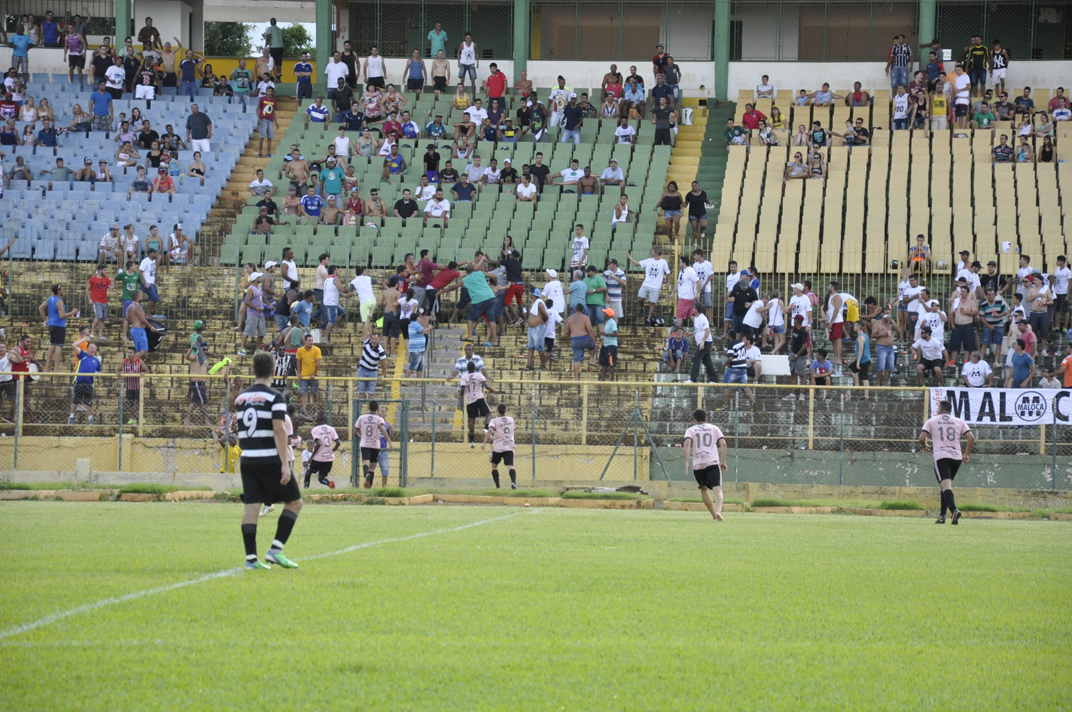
x: 188, y: 75
x: 436, y: 129
x: 303, y: 73
x: 50, y: 31
x: 572, y: 118
x: 318, y: 113
x: 311, y: 205
x: 463, y: 189
x: 47, y: 135
x: 437, y: 40
x: 20, y: 57
x: 1023, y: 367
x: 634, y: 93
x: 660, y: 90
x: 101, y: 103
x: 88, y: 363
x: 303, y: 308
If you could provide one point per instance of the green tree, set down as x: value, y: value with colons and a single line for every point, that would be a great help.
x: 227, y: 39
x: 296, y: 39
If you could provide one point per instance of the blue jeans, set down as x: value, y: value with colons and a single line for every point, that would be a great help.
x: 241, y: 96
x: 368, y: 387
x: 281, y: 321
x: 188, y: 89
x: 899, y: 77
x: 677, y: 92
x: 595, y: 314
x: 571, y: 135
x: 900, y: 124
x: 887, y: 358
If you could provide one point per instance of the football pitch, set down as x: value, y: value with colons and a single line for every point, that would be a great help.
x: 142, y: 606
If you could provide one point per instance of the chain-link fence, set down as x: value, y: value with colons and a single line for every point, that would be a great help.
x: 398, y: 28
x: 842, y: 31
x: 98, y: 17
x: 563, y: 430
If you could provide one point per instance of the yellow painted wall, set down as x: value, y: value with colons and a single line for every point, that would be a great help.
x: 224, y: 65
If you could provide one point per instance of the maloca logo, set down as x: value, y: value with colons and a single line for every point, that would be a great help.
x: 1030, y: 406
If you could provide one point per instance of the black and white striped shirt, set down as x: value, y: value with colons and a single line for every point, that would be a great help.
x: 371, y: 357
x: 736, y: 352
x: 256, y: 408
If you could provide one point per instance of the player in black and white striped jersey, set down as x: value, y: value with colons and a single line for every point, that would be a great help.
x: 260, y: 413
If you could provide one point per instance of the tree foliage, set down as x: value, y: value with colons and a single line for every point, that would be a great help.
x: 227, y: 39
x: 296, y: 39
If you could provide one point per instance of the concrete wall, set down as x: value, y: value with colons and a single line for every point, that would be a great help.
x: 170, y: 17
x: 240, y: 10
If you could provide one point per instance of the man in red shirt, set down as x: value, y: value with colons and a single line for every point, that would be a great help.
x: 266, y: 121
x: 446, y: 280
x: 752, y: 117
x: 164, y: 183
x: 495, y: 85
x: 425, y: 269
x: 21, y: 358
x: 659, y: 60
x: 97, y: 288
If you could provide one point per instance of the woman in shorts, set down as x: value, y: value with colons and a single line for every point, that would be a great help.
x: 670, y: 203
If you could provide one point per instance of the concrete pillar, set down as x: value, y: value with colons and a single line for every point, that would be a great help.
x: 927, y: 12
x: 325, y: 41
x: 197, y: 25
x: 123, y: 15
x: 722, y: 49
x: 522, y: 36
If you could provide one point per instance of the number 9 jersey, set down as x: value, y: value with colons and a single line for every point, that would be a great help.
x: 255, y: 409
x: 502, y: 429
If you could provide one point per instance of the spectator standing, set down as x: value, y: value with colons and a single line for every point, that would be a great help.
x: 303, y: 76
x: 198, y: 130
x: 595, y: 295
x: 660, y: 118
x: 97, y: 289
x: 655, y: 271
x: 242, y: 83
x: 418, y: 331
x: 375, y: 71
x: 965, y: 310
x: 273, y: 38
x: 102, y: 111
x: 1060, y: 282
x: 468, y: 61
x: 900, y: 58
x: 1023, y: 367
x: 437, y: 40
x: 88, y: 364
x: 266, y: 122
x: 308, y: 359
x: 372, y: 365
x: 20, y: 42
x: 615, y: 280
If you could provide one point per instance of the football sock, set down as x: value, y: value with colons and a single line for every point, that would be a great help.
x: 495, y: 476
x: 952, y: 500
x: 249, y: 537
x: 513, y: 476
x: 308, y: 476
x: 945, y: 501
x: 283, y: 529
x: 323, y: 479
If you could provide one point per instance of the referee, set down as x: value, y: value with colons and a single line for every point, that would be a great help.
x: 260, y: 414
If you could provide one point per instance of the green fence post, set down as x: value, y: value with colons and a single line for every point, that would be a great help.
x: 432, y: 465
x: 355, y: 450
x: 403, y: 446
x: 841, y: 447
x: 736, y: 433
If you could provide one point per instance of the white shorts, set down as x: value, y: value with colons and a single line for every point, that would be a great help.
x: 616, y: 305
x: 144, y: 92
x: 998, y: 74
x: 939, y: 123
x: 556, y: 118
x: 652, y: 295
x: 200, y: 144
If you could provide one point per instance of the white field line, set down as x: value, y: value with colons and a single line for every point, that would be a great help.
x: 115, y: 600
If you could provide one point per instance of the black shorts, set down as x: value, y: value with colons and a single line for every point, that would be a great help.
x: 260, y: 483
x: 463, y: 300
x: 548, y: 346
x: 708, y: 477
x: 57, y: 335
x: 133, y: 398
x: 608, y: 356
x: 83, y: 394
x: 865, y: 367
x: 506, y: 458
x: 370, y: 454
x: 1060, y: 303
x: 320, y: 469
x: 76, y: 61
x: 392, y: 325
x: 375, y: 82
x: 439, y: 83
x: 415, y: 84
x: 930, y: 365
x: 9, y: 389
x: 196, y: 393
x: 946, y: 468
x: 276, y: 53
x: 960, y: 110
x: 477, y: 409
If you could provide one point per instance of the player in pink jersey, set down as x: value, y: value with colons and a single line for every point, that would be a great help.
x: 502, y: 429
x: 705, y: 450
x: 473, y: 385
x: 945, y: 432
x: 327, y: 442
x: 369, y: 428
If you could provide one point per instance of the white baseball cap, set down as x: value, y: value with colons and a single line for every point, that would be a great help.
x: 255, y: 276
x: 553, y: 274
x: 269, y: 265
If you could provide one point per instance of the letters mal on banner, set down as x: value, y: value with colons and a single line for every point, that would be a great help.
x: 999, y: 406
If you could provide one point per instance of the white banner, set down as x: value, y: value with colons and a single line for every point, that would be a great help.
x: 1000, y: 406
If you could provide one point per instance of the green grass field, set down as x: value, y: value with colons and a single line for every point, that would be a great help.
x: 488, y: 608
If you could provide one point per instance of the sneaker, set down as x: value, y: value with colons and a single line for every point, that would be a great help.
x: 257, y: 565
x: 472, y: 444
x: 331, y: 484
x: 265, y: 509
x: 940, y: 520
x: 803, y: 397
x: 132, y: 422
x: 70, y: 420
x: 791, y: 396
x: 513, y: 485
x: 89, y: 420
x: 278, y: 557
x: 689, y: 380
x: 956, y: 517
x: 243, y: 352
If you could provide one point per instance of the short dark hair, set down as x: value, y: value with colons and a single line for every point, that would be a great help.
x: 699, y: 415
x: 501, y: 408
x: 263, y: 364
x: 945, y: 407
x: 373, y: 406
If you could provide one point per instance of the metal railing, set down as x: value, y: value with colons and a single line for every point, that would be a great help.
x: 564, y: 429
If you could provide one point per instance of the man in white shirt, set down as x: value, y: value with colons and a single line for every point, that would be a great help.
x: 1061, y: 277
x: 753, y: 357
x: 612, y: 175
x: 688, y: 284
x: 424, y: 191
x: 476, y: 173
x: 655, y: 270
x: 800, y: 305
x: 701, y: 329
x: 334, y: 71
x: 962, y: 88
x: 289, y: 270
x: 625, y: 133
x: 579, y: 249
x: 475, y: 115
x: 615, y: 279
x: 705, y: 271
x: 753, y: 318
x: 366, y: 298
x: 111, y: 246
x: 260, y: 185
x: 115, y: 78
x: 910, y: 301
x: 437, y: 209
x: 930, y: 356
x: 526, y: 191
x: 970, y: 274
x: 148, y: 276
x: 977, y: 373
x: 570, y: 176
x: 552, y: 292
x: 765, y: 90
